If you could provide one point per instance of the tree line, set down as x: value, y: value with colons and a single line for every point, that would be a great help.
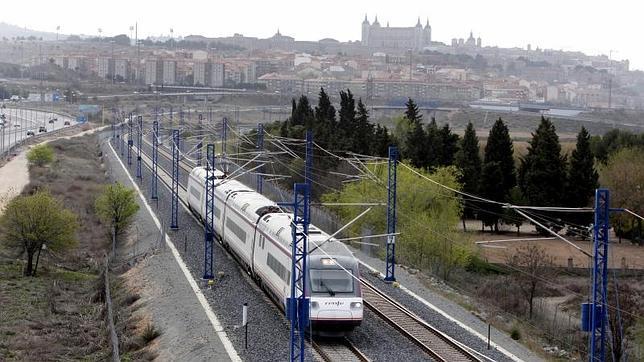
x: 545, y: 176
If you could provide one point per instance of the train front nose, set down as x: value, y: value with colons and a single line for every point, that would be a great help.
x: 336, y: 313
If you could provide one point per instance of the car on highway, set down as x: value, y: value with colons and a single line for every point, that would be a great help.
x: 51, y: 120
x: 42, y: 129
x: 31, y: 132
x: 16, y: 125
x: 66, y: 123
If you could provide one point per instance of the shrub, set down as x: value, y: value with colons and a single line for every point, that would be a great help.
x: 40, y: 155
x: 515, y: 334
x: 149, y: 333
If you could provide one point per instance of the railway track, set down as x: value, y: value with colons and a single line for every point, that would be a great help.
x: 334, y: 350
x: 436, y: 343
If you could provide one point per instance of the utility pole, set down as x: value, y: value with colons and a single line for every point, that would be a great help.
x: 598, y: 316
x: 391, y: 215
x: 298, y: 302
x: 209, y: 223
x: 260, y: 148
x: 174, y: 216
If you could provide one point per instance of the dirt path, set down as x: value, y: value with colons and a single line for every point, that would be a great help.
x: 14, y: 175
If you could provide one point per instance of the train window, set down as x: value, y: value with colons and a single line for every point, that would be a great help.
x: 217, y: 213
x: 195, y: 193
x: 331, y: 281
x: 279, y: 231
x: 278, y: 268
x: 236, y: 229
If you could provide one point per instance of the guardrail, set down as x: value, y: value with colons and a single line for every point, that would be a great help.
x: 4, y: 153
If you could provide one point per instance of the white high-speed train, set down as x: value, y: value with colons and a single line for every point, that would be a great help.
x: 259, y: 233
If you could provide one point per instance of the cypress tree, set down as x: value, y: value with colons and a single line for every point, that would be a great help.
x: 346, y: 123
x: 449, y: 142
x: 381, y: 142
x: 490, y: 214
x: 468, y: 160
x: 498, y: 174
x: 499, y: 149
x: 582, y: 177
x: 434, y: 145
x: 413, y: 113
x: 542, y: 174
x: 363, y: 130
x: 416, y: 145
x: 325, y: 124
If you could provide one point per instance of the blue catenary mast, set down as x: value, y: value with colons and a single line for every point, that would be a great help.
x: 122, y: 137
x: 597, y: 338
x: 198, y: 153
x: 224, y: 135
x: 130, y: 141
x: 139, y: 143
x: 391, y: 215
x: 174, y: 222
x: 155, y: 160
x: 209, y: 223
x: 260, y: 148
x: 309, y: 158
x: 298, y: 302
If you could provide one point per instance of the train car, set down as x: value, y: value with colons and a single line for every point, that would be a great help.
x: 258, y: 232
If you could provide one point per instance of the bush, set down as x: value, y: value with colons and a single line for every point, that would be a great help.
x: 149, y: 333
x: 515, y: 334
x: 40, y: 155
x: 477, y: 265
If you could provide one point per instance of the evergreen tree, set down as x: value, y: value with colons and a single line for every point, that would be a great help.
x: 434, y: 146
x: 413, y: 113
x: 489, y: 214
x: 499, y: 149
x: 381, y: 142
x: 582, y: 176
x: 498, y: 174
x: 325, y: 125
x: 542, y: 174
x: 468, y: 160
x: 415, y: 146
x: 363, y: 130
x: 303, y: 113
x: 347, y: 115
x: 449, y: 142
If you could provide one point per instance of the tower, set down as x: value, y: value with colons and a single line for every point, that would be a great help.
x: 418, y: 35
x: 427, y: 33
x: 365, y: 31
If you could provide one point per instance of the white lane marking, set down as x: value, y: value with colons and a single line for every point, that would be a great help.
x: 219, y: 329
x: 449, y: 317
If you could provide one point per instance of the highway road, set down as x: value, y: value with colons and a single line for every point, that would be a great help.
x: 17, y: 122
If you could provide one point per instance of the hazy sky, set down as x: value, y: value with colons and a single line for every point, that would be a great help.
x: 592, y: 26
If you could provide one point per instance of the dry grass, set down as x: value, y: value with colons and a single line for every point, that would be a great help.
x: 49, y: 317
x: 55, y: 316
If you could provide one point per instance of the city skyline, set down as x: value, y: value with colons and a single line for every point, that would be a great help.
x: 570, y: 26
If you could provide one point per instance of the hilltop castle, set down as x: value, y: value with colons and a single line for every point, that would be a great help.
x: 375, y: 36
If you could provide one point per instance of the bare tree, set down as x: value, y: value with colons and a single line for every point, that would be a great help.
x: 532, y: 266
x: 623, y: 311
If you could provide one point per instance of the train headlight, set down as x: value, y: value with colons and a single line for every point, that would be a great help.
x: 356, y: 305
x: 327, y: 261
x: 314, y: 305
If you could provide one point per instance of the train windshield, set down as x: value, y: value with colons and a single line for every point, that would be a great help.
x: 331, y: 281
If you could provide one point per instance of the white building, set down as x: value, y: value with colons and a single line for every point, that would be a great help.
x: 169, y: 72
x: 217, y: 74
